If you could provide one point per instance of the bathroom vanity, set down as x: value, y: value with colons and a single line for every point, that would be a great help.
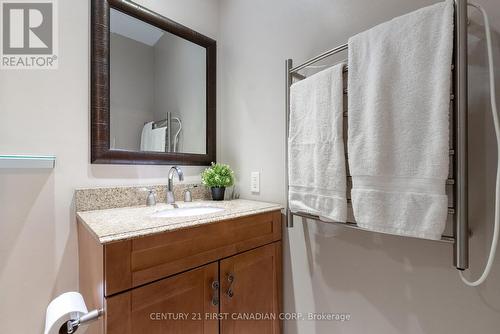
x: 157, y: 270
x: 201, y: 267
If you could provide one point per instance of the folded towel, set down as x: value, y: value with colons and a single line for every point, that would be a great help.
x: 316, y: 148
x: 146, y: 136
x: 398, y: 126
x: 158, y: 139
x: 153, y: 140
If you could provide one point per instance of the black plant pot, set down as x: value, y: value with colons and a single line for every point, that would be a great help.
x: 218, y: 193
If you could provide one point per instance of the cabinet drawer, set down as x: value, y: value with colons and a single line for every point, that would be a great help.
x: 156, y: 308
x: 135, y: 262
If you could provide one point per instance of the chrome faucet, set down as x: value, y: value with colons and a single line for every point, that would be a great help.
x: 180, y: 175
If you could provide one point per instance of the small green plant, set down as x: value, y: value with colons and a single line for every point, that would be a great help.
x: 217, y: 176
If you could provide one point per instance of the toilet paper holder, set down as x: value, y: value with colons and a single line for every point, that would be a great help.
x: 72, y: 325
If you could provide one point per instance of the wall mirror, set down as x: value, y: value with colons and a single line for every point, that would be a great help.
x: 153, y: 88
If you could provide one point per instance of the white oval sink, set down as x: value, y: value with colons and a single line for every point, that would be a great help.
x: 186, y: 212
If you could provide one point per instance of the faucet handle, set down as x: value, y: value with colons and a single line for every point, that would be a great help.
x: 151, y: 199
x: 187, y: 196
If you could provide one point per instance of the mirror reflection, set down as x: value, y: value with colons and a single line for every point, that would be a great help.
x: 157, y: 89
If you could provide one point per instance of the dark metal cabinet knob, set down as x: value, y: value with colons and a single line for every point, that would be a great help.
x: 230, y: 278
x: 215, y: 296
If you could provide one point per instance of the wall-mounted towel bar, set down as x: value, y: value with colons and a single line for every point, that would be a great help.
x: 452, y: 96
x: 323, y: 56
x: 167, y: 123
x: 158, y: 124
x: 457, y: 182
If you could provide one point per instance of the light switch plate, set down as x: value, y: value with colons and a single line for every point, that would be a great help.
x: 255, y: 182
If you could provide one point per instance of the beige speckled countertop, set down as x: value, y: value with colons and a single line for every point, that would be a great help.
x: 131, y: 222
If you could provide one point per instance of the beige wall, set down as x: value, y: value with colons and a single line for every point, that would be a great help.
x: 389, y: 285
x: 47, y: 112
x: 180, y: 83
x: 132, y: 91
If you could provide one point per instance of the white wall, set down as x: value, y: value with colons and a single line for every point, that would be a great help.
x: 147, y: 81
x: 180, y: 84
x: 388, y: 284
x: 132, y: 93
x: 47, y: 112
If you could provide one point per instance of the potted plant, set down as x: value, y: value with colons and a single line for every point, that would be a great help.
x: 217, y: 177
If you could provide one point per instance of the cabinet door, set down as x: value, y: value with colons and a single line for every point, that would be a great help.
x: 178, y: 304
x: 251, y: 289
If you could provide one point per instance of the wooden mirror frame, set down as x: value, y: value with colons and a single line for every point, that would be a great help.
x: 100, y: 90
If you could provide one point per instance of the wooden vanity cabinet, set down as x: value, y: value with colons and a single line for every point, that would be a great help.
x: 251, y: 291
x: 177, y: 304
x: 223, y: 277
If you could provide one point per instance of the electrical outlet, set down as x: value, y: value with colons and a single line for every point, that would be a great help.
x: 255, y: 182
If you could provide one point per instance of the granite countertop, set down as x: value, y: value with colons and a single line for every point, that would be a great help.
x: 131, y: 222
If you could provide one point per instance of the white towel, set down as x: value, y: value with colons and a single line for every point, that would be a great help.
x: 158, y: 139
x: 146, y: 136
x: 399, y: 98
x: 316, y: 148
x: 153, y: 140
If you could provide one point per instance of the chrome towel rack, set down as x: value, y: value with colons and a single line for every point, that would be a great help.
x: 458, y: 180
